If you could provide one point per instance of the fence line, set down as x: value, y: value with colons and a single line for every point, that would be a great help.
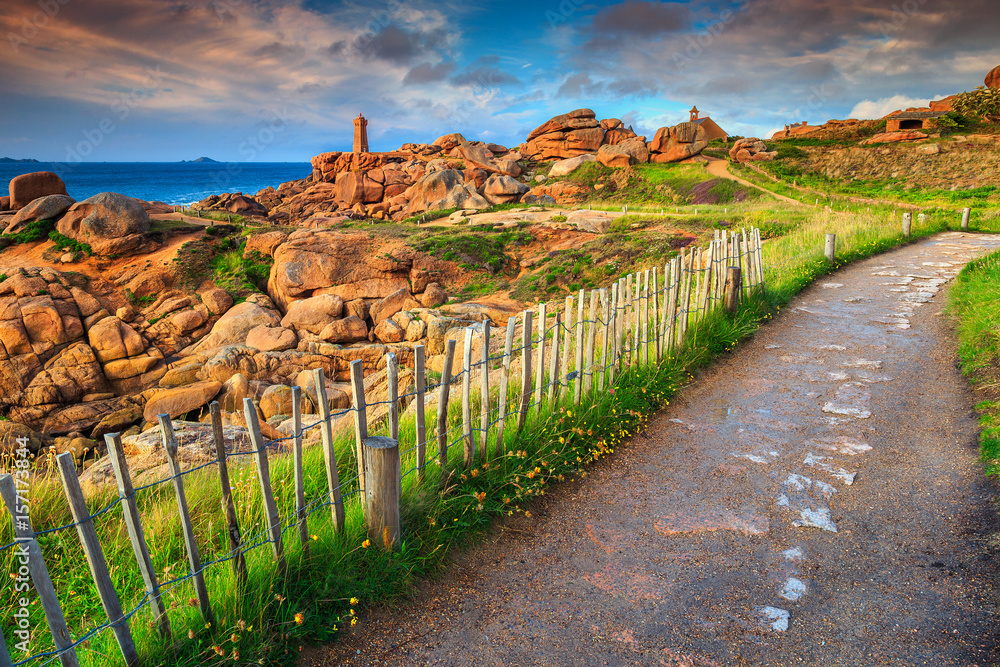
x: 643, y: 314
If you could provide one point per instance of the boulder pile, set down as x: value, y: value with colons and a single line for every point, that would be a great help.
x: 751, y: 149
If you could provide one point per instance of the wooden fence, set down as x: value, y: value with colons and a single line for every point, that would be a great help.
x: 572, y: 353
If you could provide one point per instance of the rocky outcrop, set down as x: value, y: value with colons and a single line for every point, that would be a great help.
x: 26, y: 188
x: 993, y: 78
x: 895, y: 137
x: 751, y: 149
x: 43, y: 208
x: 624, y: 154
x: 680, y: 142
x: 110, y: 223
x: 563, y: 192
x: 568, y: 166
x: 314, y: 313
x: 502, y: 189
x: 314, y: 262
x: 233, y: 327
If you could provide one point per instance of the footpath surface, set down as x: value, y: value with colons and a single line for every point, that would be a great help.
x: 815, y: 498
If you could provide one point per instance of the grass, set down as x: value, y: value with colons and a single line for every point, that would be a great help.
x: 972, y: 300
x: 33, y: 231
x: 474, y: 249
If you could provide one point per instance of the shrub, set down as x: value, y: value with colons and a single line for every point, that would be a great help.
x: 982, y: 102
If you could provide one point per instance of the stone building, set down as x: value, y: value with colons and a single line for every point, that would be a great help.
x: 913, y: 120
x: 710, y: 126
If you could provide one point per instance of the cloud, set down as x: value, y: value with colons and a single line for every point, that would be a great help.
x: 874, y: 109
x: 635, y: 17
x: 484, y: 77
x: 428, y: 73
x: 392, y: 44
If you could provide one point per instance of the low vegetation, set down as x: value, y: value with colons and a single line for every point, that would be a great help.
x: 973, y: 300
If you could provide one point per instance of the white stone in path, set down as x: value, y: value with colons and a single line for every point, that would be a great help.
x: 832, y: 285
x: 852, y: 400
x: 773, y: 618
x: 823, y: 463
x: 793, y: 590
x: 863, y: 363
x: 807, y: 498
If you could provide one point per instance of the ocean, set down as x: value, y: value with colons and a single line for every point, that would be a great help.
x: 171, y: 182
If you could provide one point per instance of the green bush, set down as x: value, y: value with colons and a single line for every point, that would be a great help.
x: 33, y: 231
x: 982, y: 102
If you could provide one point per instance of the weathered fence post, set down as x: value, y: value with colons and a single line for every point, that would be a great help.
x: 469, y: 443
x: 578, y: 384
x: 326, y: 430
x: 264, y: 476
x: 442, y: 413
x: 734, y: 279
x: 133, y: 524
x: 525, y: 369
x: 484, y: 399
x: 300, y: 482
x: 382, y: 470
x: 392, y: 393
x: 508, y: 347
x: 540, y: 363
x: 554, y: 364
x: 588, y: 364
x: 190, y: 544
x: 966, y: 213
x: 228, y: 505
x: 360, y: 418
x: 30, y: 550
x: 605, y: 330
x: 564, y: 362
x: 95, y: 559
x: 907, y: 224
x: 421, y: 426
x: 830, y: 250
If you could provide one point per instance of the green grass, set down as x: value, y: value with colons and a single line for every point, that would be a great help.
x: 973, y: 300
x: 33, y: 231
x: 239, y: 274
x: 69, y: 245
x: 474, y: 249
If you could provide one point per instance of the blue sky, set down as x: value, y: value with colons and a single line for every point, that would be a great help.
x: 256, y: 80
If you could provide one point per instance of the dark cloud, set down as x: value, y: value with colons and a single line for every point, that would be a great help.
x: 577, y: 85
x: 397, y: 45
x: 484, y: 77
x: 428, y: 73
x: 647, y: 19
x: 277, y: 50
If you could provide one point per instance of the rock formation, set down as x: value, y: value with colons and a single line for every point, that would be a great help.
x: 680, y: 142
x: 110, y: 223
x: 27, y: 188
x: 993, y: 78
x: 751, y: 149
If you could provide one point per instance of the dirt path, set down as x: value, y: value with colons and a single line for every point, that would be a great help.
x: 720, y: 169
x: 815, y: 498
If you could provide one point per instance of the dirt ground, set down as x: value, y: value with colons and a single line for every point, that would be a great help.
x: 815, y: 498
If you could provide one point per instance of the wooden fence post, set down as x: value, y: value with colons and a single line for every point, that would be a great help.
x: 830, y: 250
x: 554, y: 364
x: 264, y: 476
x: 469, y: 443
x: 300, y: 482
x: 508, y: 347
x: 360, y: 417
x: 733, y: 289
x: 636, y: 318
x: 610, y: 364
x: 526, y: 331
x: 382, y: 469
x: 228, y: 505
x: 654, y: 323
x: 907, y: 224
x: 442, y: 412
x: 484, y: 390
x: 564, y: 362
x: 95, y: 559
x: 392, y: 393
x: 326, y: 430
x: 133, y: 524
x: 421, y: 426
x: 39, y: 572
x: 966, y: 214
x: 605, y: 331
x: 627, y: 321
x: 190, y: 544
x: 540, y: 363
x: 588, y: 364
x: 580, y: 370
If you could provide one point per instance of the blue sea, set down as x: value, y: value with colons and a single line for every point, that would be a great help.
x: 170, y: 182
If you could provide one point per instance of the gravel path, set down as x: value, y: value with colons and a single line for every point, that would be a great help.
x: 815, y: 498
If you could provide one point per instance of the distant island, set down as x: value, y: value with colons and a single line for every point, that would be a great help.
x: 10, y: 159
x: 201, y: 159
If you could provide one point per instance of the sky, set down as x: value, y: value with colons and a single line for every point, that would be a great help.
x: 267, y: 81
